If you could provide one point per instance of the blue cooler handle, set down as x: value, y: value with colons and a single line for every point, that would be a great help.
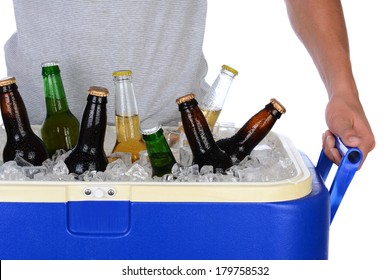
x: 350, y: 162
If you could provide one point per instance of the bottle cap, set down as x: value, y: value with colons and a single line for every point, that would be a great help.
x: 98, y: 91
x: 230, y: 69
x: 149, y: 126
x: 278, y: 106
x: 7, y: 81
x: 122, y: 73
x: 50, y: 63
x: 185, y: 98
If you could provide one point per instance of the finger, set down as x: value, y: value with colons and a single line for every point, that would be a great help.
x: 329, y: 147
x: 365, y: 142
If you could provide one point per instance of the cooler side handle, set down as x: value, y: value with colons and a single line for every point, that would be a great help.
x: 350, y: 162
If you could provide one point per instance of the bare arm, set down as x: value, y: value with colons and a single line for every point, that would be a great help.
x: 320, y: 25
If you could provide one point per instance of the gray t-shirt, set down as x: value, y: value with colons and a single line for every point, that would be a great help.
x: 160, y: 41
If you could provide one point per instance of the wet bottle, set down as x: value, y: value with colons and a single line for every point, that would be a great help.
x: 89, y: 152
x: 212, y: 102
x: 21, y: 140
x: 60, y: 130
x: 127, y: 121
x: 160, y: 154
x: 252, y: 132
x: 204, y: 149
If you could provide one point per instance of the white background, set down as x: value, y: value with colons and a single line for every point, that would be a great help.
x: 255, y: 37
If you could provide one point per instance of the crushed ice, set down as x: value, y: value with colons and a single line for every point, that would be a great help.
x: 268, y: 162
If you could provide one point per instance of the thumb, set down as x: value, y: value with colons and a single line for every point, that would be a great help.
x: 355, y: 136
x: 349, y: 137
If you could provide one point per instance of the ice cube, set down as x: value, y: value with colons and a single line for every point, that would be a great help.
x: 138, y: 173
x: 186, y: 158
x: 172, y: 135
x: 143, y: 158
x: 124, y: 156
x: 250, y: 174
x: 206, y: 169
x: 59, y: 168
x: 21, y: 161
x: 34, y: 172
x: 224, y: 130
x: 10, y: 170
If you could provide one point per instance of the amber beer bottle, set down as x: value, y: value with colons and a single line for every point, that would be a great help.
x: 127, y: 121
x: 21, y: 140
x: 204, y: 149
x: 89, y: 152
x: 252, y: 132
x: 212, y: 102
x: 60, y: 130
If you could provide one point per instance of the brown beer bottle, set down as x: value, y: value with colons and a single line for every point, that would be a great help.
x: 204, y: 149
x: 21, y: 140
x: 252, y: 132
x: 89, y: 152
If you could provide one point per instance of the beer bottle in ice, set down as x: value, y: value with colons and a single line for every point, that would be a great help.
x: 89, y: 152
x: 252, y: 132
x: 204, y: 149
x: 21, y: 140
x: 60, y: 130
x: 127, y: 121
x: 160, y: 154
x: 212, y: 102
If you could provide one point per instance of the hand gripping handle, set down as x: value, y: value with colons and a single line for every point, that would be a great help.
x: 350, y: 162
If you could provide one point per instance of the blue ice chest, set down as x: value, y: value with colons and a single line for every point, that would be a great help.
x: 287, y: 219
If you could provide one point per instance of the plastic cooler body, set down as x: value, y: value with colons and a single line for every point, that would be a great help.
x: 52, y: 220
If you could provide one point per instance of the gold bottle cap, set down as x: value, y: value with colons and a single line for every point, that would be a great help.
x: 185, y: 98
x: 7, y: 81
x: 98, y: 91
x: 122, y: 73
x: 228, y: 68
x: 278, y: 106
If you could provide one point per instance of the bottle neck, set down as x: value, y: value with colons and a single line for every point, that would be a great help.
x: 13, y: 111
x: 125, y: 101
x: 273, y: 111
x: 215, y: 97
x: 196, y: 128
x: 54, y: 90
x: 93, y: 124
x: 254, y: 130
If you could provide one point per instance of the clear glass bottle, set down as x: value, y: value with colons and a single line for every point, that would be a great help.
x: 127, y: 121
x: 212, y: 102
x: 60, y: 130
x: 89, y: 152
x: 159, y: 152
x: 21, y: 140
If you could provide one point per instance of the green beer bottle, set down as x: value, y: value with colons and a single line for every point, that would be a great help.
x: 160, y: 154
x: 60, y: 130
